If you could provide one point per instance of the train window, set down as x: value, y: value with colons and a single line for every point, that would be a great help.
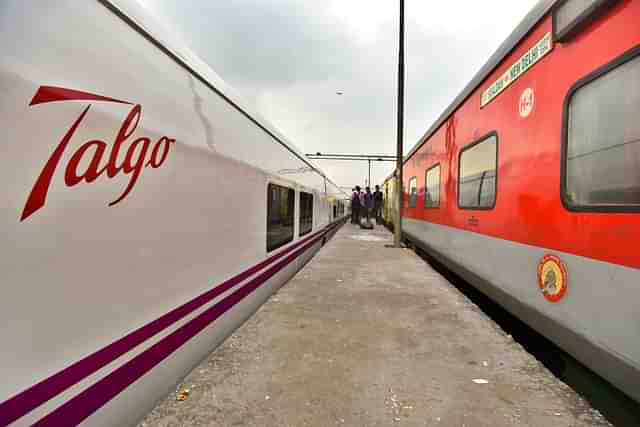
x: 572, y: 15
x: 477, y: 174
x: 280, y: 206
x: 432, y: 187
x: 413, y: 192
x: 601, y: 152
x: 306, y: 213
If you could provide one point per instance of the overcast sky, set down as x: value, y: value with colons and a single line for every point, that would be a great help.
x: 290, y: 57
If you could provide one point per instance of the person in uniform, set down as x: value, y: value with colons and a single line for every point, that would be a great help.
x: 355, y: 205
x: 368, y: 203
x: 377, y: 204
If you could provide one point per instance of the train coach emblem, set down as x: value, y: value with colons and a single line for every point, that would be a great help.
x: 552, y: 278
x: 527, y: 100
x: 99, y: 157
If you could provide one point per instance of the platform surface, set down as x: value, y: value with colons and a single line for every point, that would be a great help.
x: 367, y: 335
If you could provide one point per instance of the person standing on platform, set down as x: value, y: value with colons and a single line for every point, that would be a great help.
x: 353, y: 211
x: 377, y: 204
x: 355, y: 205
x: 368, y: 203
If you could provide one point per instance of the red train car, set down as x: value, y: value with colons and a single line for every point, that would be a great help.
x: 528, y: 185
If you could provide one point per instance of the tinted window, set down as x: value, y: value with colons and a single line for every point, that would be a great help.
x: 413, y: 192
x: 477, y: 174
x: 306, y: 213
x: 280, y: 205
x: 603, y: 140
x: 432, y: 187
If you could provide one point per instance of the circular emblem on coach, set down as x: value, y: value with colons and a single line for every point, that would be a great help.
x: 552, y: 278
x: 527, y: 99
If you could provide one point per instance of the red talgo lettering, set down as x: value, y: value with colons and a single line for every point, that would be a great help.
x: 38, y: 195
x: 163, y: 142
x: 125, y: 132
x: 132, y: 164
x: 72, y: 177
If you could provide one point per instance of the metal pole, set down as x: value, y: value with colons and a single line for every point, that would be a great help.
x: 369, y: 172
x: 397, y: 238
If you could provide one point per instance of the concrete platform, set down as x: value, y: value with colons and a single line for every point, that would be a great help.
x: 371, y: 336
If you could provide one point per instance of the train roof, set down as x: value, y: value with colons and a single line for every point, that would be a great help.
x: 149, y: 26
x: 533, y: 17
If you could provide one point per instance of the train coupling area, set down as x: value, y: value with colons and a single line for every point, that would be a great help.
x: 367, y: 335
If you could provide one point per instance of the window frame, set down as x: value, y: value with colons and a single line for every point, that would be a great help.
x: 293, y: 233
x: 480, y: 140
x: 433, y: 166
x: 300, y: 231
x: 409, y: 192
x: 627, y: 56
x: 581, y: 21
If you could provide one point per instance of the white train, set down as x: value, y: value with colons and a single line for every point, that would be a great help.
x: 146, y: 212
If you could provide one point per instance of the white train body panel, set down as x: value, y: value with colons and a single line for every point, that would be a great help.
x: 80, y: 274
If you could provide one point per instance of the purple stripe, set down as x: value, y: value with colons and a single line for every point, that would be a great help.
x: 24, y: 402
x: 91, y: 399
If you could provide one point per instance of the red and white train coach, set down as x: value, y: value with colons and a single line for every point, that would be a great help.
x: 146, y: 212
x: 528, y: 185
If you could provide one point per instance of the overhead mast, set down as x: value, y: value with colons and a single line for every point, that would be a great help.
x: 399, y: 194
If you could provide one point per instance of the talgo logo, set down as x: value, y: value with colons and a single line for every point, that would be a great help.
x: 140, y: 153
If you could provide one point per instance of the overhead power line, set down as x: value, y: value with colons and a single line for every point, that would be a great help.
x: 354, y: 157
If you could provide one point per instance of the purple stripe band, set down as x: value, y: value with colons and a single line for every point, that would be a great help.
x: 29, y: 399
x: 77, y: 409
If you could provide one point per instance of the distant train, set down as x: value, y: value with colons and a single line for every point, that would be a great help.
x: 146, y: 212
x: 528, y: 185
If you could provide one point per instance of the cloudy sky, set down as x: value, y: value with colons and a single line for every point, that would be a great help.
x: 290, y: 57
